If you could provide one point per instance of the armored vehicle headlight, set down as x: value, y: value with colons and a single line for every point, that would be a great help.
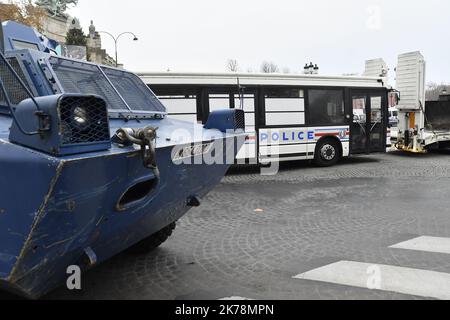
x: 80, y: 118
x: 78, y: 124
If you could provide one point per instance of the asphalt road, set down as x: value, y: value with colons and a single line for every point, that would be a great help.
x: 253, y: 234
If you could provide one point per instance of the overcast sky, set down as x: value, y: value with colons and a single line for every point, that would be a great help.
x: 200, y: 35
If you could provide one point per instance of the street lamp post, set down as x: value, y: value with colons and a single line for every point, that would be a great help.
x: 116, y: 40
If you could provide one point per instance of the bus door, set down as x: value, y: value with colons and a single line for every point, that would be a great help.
x: 368, y: 128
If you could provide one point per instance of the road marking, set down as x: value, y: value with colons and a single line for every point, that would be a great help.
x: 426, y: 244
x: 408, y: 281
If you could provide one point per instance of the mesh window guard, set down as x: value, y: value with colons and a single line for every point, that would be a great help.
x: 134, y: 91
x: 13, y: 88
x: 84, y: 78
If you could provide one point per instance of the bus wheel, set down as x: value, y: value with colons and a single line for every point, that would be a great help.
x: 328, y: 153
x: 153, y: 242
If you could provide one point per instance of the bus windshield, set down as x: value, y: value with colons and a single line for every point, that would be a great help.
x: 121, y: 90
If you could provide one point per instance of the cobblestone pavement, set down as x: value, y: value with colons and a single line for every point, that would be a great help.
x: 310, y: 217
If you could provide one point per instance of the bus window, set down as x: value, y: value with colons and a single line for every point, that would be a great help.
x: 326, y: 107
x: 359, y: 126
x: 376, y: 109
x: 248, y: 103
x: 181, y: 107
x: 219, y: 102
x: 285, y: 107
x: 377, y: 132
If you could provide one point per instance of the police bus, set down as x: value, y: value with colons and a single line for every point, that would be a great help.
x: 288, y: 117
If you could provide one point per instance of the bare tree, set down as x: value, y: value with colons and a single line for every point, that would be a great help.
x: 269, y: 67
x: 434, y: 90
x: 286, y: 70
x: 233, y: 65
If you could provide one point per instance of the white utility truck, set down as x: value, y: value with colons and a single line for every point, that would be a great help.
x: 422, y: 125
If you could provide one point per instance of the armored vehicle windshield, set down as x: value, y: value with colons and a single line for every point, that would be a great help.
x: 123, y: 91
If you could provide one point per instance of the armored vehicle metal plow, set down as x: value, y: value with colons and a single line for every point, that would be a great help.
x: 90, y: 165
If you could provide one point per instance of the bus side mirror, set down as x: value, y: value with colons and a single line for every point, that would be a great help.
x: 394, y: 95
x: 397, y: 96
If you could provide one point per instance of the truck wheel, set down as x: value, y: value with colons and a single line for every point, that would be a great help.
x: 154, y: 241
x: 328, y: 153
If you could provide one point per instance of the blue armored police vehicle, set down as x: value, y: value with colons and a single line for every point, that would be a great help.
x: 90, y: 165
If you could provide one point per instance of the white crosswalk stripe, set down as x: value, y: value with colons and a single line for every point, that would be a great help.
x: 408, y: 281
x: 426, y: 244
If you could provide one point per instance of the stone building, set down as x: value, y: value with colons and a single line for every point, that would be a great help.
x: 57, y: 26
x: 94, y: 48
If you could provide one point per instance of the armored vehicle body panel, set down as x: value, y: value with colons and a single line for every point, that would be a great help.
x: 91, y: 166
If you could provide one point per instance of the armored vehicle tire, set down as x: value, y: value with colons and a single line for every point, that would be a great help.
x: 328, y: 153
x: 154, y: 241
